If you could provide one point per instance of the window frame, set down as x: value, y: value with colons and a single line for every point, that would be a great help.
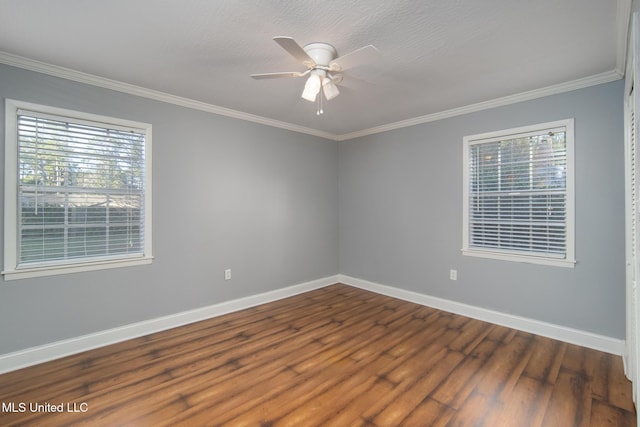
x: 12, y: 269
x: 520, y: 256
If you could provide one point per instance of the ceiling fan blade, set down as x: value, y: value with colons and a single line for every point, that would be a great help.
x: 362, y: 56
x: 278, y: 75
x: 351, y: 82
x: 294, y: 49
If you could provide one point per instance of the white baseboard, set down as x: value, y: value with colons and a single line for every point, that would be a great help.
x: 44, y: 353
x: 562, y: 333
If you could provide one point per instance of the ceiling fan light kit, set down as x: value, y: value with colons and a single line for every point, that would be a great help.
x: 324, y: 68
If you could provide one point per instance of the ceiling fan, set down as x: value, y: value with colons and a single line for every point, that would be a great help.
x: 325, y: 69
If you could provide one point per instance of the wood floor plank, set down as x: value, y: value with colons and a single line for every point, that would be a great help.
x: 546, y: 360
x: 462, y: 381
x: 471, y: 334
x: 429, y: 413
x: 505, y: 367
x: 570, y: 403
x: 473, y: 412
x: 336, y: 356
x: 609, y: 383
x: 523, y: 406
x: 397, y: 410
x: 610, y: 416
x: 363, y: 377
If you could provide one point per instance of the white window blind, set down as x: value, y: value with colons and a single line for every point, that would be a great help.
x: 517, y: 198
x: 80, y: 191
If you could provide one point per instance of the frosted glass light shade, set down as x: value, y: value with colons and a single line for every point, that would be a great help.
x: 330, y: 89
x: 311, y: 87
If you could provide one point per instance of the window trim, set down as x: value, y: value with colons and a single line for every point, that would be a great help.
x: 504, y: 254
x: 11, y: 269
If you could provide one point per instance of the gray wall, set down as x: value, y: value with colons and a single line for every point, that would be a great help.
x: 401, y: 215
x: 226, y: 194
x: 282, y: 208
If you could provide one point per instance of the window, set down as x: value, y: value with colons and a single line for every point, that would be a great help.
x: 77, y: 191
x: 518, y: 194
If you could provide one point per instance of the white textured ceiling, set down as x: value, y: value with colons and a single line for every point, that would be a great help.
x: 436, y: 55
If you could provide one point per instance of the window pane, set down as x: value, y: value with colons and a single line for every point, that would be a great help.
x: 517, y: 193
x: 81, y: 189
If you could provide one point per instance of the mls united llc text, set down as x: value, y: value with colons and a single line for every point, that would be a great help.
x: 44, y: 407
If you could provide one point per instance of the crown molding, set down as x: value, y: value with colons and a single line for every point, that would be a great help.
x: 623, y: 21
x: 90, y: 79
x: 597, y: 79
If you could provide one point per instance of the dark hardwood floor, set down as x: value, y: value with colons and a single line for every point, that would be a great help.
x: 337, y: 356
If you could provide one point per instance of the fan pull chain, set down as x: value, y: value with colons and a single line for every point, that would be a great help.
x: 319, y: 104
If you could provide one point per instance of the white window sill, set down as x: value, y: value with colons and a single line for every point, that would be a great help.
x: 51, y: 270
x: 557, y: 262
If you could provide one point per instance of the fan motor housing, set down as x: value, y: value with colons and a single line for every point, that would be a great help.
x: 321, y: 53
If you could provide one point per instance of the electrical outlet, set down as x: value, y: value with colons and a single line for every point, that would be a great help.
x: 453, y: 274
x: 227, y: 274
